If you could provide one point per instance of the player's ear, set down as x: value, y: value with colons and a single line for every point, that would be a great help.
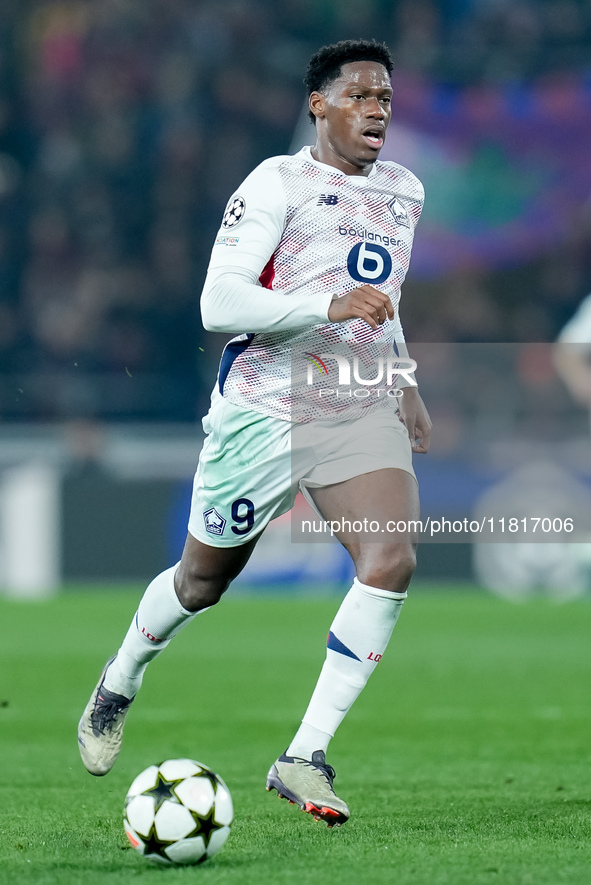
x: 317, y: 104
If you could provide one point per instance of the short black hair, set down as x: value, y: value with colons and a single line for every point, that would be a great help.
x: 325, y: 65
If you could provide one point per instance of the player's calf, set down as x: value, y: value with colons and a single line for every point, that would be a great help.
x: 206, y: 572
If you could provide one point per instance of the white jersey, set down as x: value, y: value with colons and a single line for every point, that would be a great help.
x: 296, y: 233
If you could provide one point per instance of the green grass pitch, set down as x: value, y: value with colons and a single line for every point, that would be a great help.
x: 466, y: 759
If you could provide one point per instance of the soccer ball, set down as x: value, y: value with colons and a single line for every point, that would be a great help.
x: 178, y: 812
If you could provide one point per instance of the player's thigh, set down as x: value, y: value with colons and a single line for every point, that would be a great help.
x: 382, y: 496
x: 376, y: 517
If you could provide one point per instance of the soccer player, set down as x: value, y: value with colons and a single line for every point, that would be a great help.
x: 311, y: 252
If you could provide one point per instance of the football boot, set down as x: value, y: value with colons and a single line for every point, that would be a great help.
x: 101, y: 727
x: 308, y: 783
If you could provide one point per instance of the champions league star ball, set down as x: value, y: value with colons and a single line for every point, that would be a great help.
x: 234, y: 212
x: 178, y: 812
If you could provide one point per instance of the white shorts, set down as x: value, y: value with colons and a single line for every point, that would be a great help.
x: 251, y: 466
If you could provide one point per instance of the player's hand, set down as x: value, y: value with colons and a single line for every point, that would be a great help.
x: 415, y: 418
x: 364, y: 303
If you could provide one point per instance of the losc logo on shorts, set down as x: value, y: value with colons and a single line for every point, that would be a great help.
x: 214, y: 522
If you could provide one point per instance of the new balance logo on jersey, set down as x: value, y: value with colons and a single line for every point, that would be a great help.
x: 327, y: 200
x: 214, y: 522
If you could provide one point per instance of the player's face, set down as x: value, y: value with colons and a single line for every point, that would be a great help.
x: 352, y: 116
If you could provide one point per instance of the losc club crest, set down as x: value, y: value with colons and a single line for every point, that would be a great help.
x: 399, y: 212
x: 234, y: 212
x: 214, y: 522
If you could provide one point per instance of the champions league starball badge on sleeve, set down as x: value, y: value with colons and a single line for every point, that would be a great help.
x: 234, y: 212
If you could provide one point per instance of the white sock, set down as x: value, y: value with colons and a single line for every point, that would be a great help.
x: 159, y: 617
x: 357, y: 640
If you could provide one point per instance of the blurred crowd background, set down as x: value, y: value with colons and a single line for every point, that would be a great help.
x: 126, y: 124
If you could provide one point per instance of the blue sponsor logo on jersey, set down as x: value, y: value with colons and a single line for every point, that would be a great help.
x: 327, y: 200
x: 227, y: 241
x: 369, y: 263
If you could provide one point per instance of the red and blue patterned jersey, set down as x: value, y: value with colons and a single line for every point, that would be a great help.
x: 301, y: 232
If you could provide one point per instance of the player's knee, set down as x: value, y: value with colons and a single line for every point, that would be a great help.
x: 391, y: 569
x: 196, y: 589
